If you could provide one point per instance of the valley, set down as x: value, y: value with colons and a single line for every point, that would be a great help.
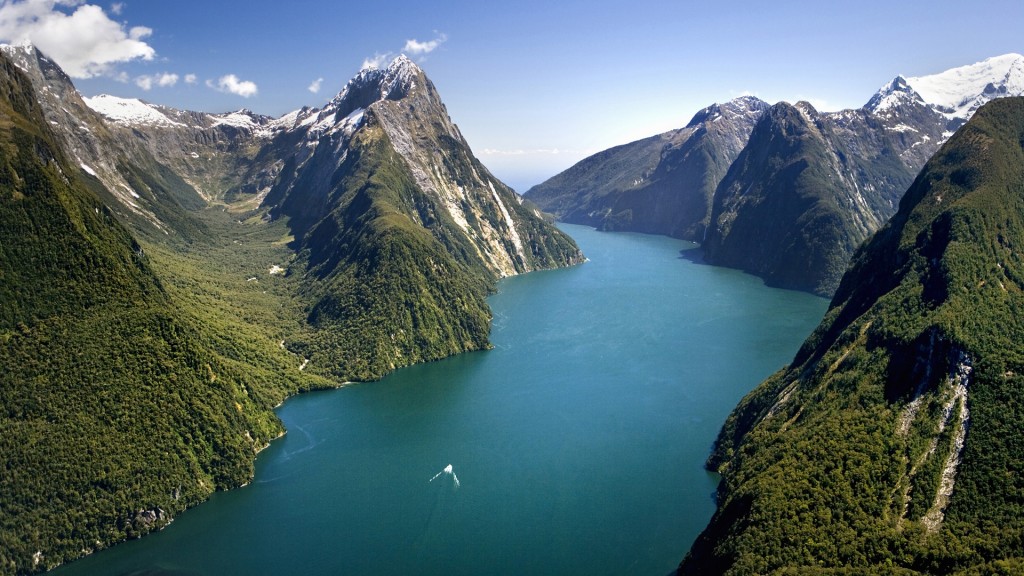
x: 170, y: 278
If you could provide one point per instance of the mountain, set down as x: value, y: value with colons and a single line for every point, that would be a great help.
x: 400, y: 230
x: 659, y: 185
x: 892, y: 443
x: 169, y: 277
x: 370, y: 185
x: 803, y: 188
x: 113, y: 164
x: 805, y: 192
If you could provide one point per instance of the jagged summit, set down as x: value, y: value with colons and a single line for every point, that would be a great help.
x: 372, y: 84
x: 893, y: 94
x: 742, y: 106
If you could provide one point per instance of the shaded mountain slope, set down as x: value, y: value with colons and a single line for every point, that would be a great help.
x: 117, y: 412
x: 790, y: 208
x: 893, y: 443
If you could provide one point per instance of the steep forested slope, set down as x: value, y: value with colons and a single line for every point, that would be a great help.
x: 116, y: 410
x: 893, y: 442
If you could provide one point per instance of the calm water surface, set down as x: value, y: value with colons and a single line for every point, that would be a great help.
x: 577, y: 443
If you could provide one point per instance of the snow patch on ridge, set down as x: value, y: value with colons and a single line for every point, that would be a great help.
x: 129, y: 111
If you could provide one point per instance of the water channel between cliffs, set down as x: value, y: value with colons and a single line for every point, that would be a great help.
x: 576, y: 446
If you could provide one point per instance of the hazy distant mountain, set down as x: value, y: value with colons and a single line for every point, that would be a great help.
x: 659, y: 185
x: 807, y: 188
x: 892, y: 444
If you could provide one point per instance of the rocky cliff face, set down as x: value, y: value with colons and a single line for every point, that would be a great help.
x: 892, y: 443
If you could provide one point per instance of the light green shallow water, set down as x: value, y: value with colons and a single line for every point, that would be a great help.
x: 578, y: 442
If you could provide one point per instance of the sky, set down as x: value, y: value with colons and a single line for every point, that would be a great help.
x: 534, y: 86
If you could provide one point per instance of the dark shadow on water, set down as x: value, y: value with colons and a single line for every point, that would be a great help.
x: 695, y: 255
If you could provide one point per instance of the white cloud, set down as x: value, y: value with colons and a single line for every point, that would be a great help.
x: 85, y: 42
x: 414, y: 47
x: 190, y: 79
x: 378, y: 60
x: 315, y: 86
x: 232, y: 85
x: 116, y: 8
x: 164, y: 80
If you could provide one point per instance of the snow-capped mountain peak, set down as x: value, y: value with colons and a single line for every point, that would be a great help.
x: 958, y: 92
x: 373, y: 84
x: 893, y: 94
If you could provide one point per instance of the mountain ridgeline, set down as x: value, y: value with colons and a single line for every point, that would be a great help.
x: 892, y: 443
x: 168, y: 277
x: 784, y: 191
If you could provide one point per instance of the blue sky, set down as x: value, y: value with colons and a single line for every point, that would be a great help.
x: 534, y: 86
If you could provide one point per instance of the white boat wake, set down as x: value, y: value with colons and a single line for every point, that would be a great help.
x: 447, y: 470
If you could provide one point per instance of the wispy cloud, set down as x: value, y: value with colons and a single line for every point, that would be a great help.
x: 190, y: 79
x: 314, y: 87
x: 164, y: 80
x: 85, y: 42
x: 414, y: 47
x: 116, y: 8
x: 230, y: 84
x: 378, y: 60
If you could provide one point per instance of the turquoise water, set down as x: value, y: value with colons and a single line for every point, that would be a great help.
x: 577, y: 443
